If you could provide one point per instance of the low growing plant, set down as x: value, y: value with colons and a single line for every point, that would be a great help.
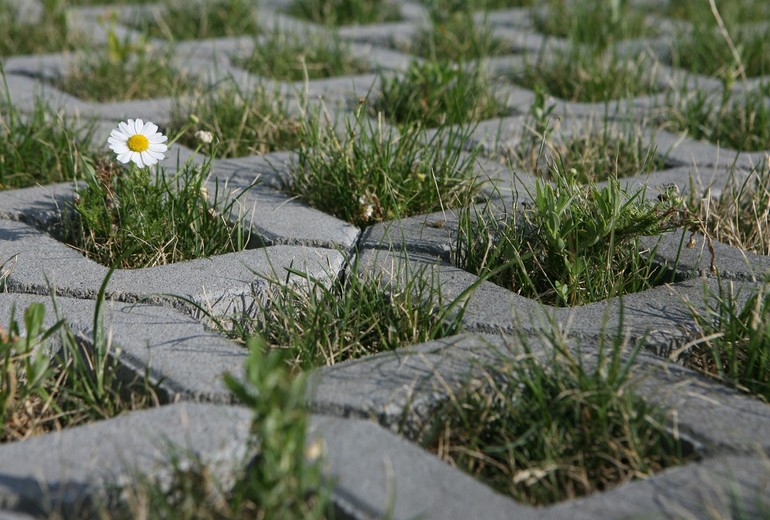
x: 345, y: 12
x: 740, y: 122
x: 130, y: 218
x: 184, y: 20
x: 556, y: 427
x: 454, y: 35
x: 316, y: 323
x: 240, y: 122
x: 740, y: 216
x: 280, y: 477
x: 41, y: 147
x: 596, y: 23
x: 41, y: 393
x: 594, y: 156
x: 735, y: 340
x: 288, y: 56
x: 124, y: 70
x: 436, y: 93
x: 582, y: 74
x: 573, y: 243
x: 47, y: 33
x: 369, y: 172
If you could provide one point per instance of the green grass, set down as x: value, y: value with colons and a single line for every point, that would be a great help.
x: 369, y: 172
x: 293, y: 57
x: 581, y: 74
x: 453, y: 35
x: 739, y: 122
x: 128, y: 218
x: 595, y: 156
x: 735, y: 340
x: 732, y: 13
x: 345, y: 12
x: 596, y: 23
x: 740, y: 216
x: 40, y: 394
x: 573, y: 244
x: 437, y: 93
x: 556, y: 428
x: 184, y: 20
x: 124, y: 70
x: 316, y: 323
x: 280, y: 476
x: 41, y: 147
x: 240, y: 122
x: 49, y: 33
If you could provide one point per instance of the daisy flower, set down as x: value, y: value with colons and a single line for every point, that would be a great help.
x: 138, y: 141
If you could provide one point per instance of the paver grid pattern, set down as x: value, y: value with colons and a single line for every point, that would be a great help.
x: 359, y: 404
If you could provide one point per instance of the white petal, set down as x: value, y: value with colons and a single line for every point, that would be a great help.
x: 138, y: 126
x: 148, y: 159
x: 149, y: 129
x: 137, y: 158
x: 125, y: 157
x: 119, y: 148
x: 157, y: 138
x: 112, y: 140
x: 126, y: 129
x: 157, y: 147
x: 118, y: 135
x: 155, y: 155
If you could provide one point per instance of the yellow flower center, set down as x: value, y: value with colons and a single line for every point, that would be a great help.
x: 138, y: 143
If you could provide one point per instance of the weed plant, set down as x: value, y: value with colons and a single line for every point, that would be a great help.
x: 596, y: 23
x: 731, y: 13
x: 185, y: 20
x: 124, y: 70
x: 358, y: 315
x: 127, y: 219
x: 736, y: 340
x: 436, y: 93
x: 546, y: 430
x: 740, y: 216
x: 454, y: 35
x: 280, y: 477
x: 704, y: 50
x: 345, y: 12
x: 370, y: 172
x: 288, y: 56
x: 582, y: 74
x: 739, y: 122
x: 48, y: 33
x: 240, y: 122
x: 41, y: 147
x: 594, y: 156
x: 573, y: 244
x: 39, y: 394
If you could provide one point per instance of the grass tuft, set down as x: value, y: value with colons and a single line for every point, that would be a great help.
x: 289, y: 56
x: 185, y: 20
x: 240, y: 122
x: 438, y: 93
x: 127, y: 219
x: 47, y: 33
x: 573, y: 244
x: 334, y: 13
x: 556, y: 428
x: 370, y: 172
x: 42, y: 147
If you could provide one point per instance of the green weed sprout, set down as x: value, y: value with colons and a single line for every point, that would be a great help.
x: 573, y: 244
x: 284, y: 478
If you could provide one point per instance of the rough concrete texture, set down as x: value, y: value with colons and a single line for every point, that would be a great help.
x: 160, y: 319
